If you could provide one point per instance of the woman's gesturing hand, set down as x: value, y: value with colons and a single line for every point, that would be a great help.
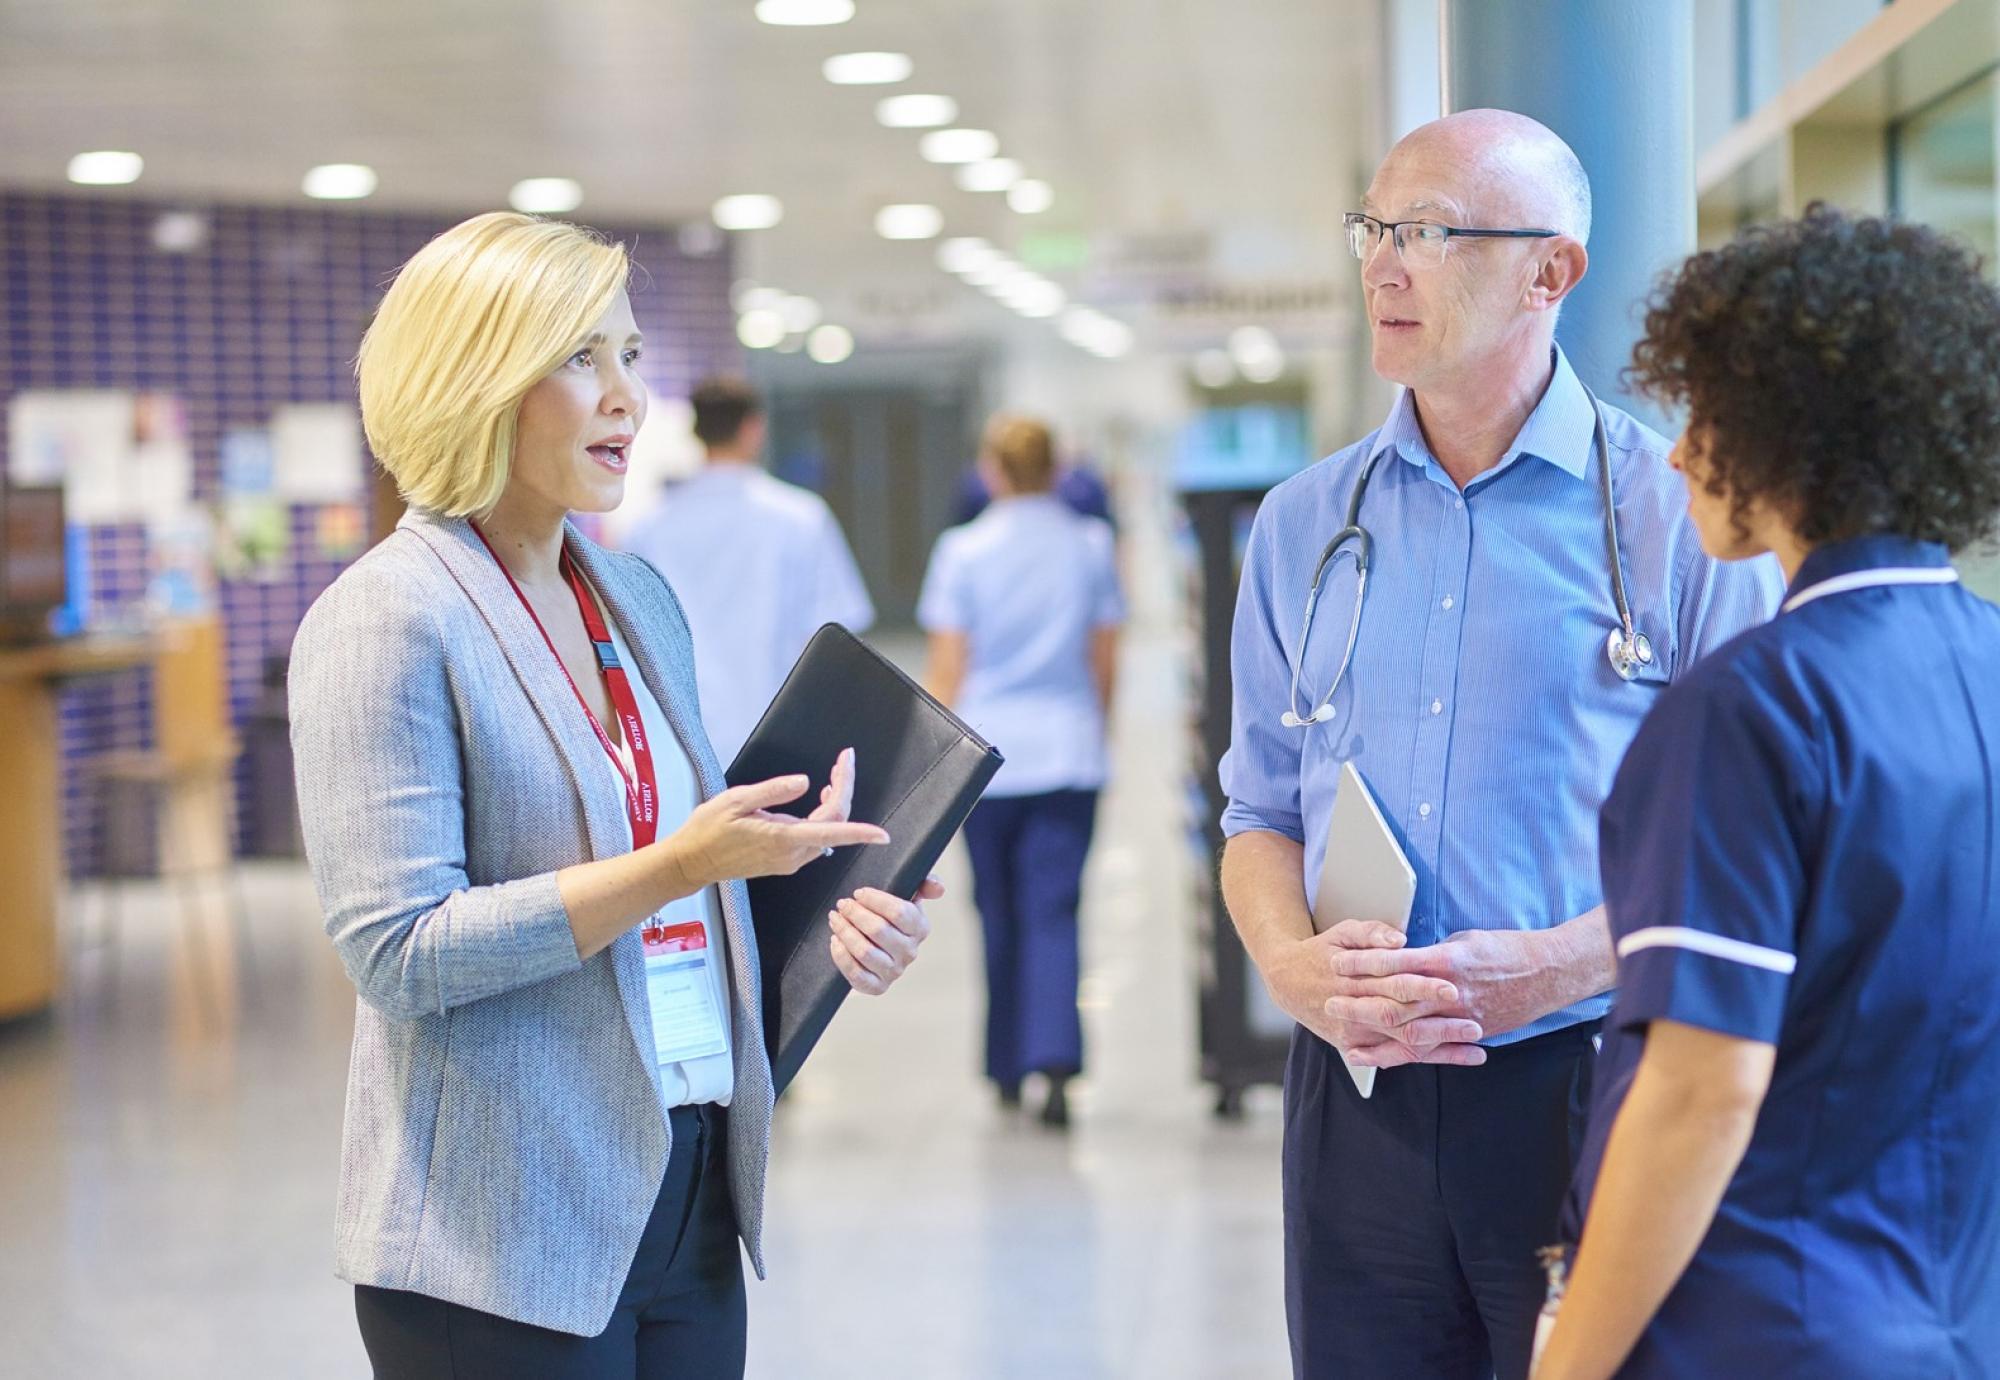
x: 740, y: 833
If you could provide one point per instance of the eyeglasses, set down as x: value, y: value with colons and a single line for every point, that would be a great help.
x: 1420, y: 243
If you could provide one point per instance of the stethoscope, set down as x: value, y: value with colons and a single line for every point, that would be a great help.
x: 1628, y: 650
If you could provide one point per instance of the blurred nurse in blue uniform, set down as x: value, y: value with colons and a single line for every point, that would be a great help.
x: 1022, y: 606
x: 1793, y: 1164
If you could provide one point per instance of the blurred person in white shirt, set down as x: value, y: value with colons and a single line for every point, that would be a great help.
x: 759, y: 564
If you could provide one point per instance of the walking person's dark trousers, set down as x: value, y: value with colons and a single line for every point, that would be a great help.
x: 1027, y: 880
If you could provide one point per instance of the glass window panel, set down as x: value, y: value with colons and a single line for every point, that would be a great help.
x: 1810, y: 30
x: 1946, y: 176
x: 1945, y: 165
x: 1772, y: 43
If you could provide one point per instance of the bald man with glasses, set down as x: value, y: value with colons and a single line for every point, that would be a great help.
x: 1479, y: 705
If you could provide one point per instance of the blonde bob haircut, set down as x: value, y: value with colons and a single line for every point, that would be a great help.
x: 475, y: 319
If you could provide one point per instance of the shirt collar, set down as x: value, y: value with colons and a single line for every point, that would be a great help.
x: 1882, y: 551
x: 1560, y: 430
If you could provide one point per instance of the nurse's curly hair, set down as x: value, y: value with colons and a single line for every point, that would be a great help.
x: 1844, y: 370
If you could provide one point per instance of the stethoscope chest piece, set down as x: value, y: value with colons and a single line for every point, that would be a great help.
x: 1629, y: 653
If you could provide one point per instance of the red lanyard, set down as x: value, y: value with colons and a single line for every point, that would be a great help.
x: 642, y: 798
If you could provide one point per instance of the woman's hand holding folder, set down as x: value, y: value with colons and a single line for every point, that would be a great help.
x: 875, y: 935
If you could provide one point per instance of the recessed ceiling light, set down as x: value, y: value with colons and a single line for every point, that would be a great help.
x: 1037, y: 299
x: 1263, y: 370
x: 545, y: 196
x: 804, y: 13
x: 866, y: 69
x: 1031, y: 196
x: 105, y: 168
x: 798, y: 313
x: 994, y: 271
x: 1019, y: 283
x: 959, y: 145
x: 916, y: 112
x: 1094, y: 331
x: 1214, y: 369
x: 748, y: 211
x: 989, y: 175
x: 964, y: 254
x: 340, y: 182
x: 909, y: 221
x: 1029, y: 290
x: 760, y: 328
x: 830, y: 344
x: 1007, y: 277
x: 1257, y: 354
x: 1253, y: 348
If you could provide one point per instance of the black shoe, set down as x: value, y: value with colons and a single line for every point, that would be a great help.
x: 1055, y: 1111
x: 1010, y: 1096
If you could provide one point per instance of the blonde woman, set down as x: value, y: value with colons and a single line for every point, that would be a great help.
x: 1022, y: 606
x: 559, y: 1103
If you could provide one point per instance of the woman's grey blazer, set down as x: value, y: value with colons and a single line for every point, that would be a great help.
x: 506, y: 1133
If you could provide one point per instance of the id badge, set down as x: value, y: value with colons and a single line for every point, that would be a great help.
x: 687, y: 1021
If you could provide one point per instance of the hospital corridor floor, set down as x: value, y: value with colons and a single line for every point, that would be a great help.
x: 168, y: 1148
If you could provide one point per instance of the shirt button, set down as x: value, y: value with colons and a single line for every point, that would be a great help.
x: 1437, y: 706
x: 1448, y: 601
x: 1424, y: 809
x: 1459, y: 504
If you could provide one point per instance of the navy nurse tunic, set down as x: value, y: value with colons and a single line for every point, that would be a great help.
x: 1800, y: 849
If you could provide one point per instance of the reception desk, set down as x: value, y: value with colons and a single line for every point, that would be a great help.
x: 31, y: 814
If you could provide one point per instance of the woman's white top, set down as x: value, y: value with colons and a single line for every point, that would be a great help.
x: 711, y: 1078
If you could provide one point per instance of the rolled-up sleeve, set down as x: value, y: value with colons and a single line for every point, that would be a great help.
x: 375, y: 740
x: 1260, y: 772
x: 1703, y: 868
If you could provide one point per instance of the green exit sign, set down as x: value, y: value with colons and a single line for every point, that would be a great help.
x: 1053, y: 251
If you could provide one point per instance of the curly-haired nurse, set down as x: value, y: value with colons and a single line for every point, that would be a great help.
x: 1793, y: 1163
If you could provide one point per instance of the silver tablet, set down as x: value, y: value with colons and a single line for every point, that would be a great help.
x: 1364, y: 875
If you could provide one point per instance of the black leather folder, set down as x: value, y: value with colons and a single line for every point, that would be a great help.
x: 918, y: 772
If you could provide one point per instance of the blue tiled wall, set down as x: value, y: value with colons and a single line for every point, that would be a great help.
x: 267, y: 312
